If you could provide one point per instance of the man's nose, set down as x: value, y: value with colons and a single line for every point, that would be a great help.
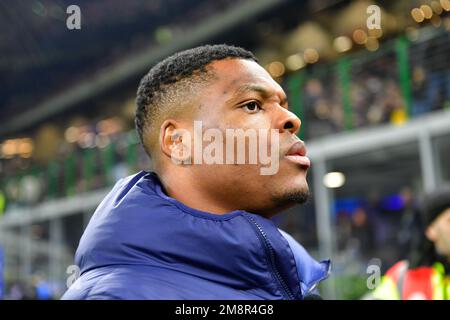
x: 288, y: 121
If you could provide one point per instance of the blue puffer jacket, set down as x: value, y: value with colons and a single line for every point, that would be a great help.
x: 142, y: 244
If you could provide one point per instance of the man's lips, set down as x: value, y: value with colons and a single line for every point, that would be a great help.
x: 297, y: 154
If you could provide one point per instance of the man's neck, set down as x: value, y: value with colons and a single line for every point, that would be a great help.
x: 187, y: 191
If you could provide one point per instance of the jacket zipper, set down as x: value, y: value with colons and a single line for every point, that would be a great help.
x: 270, y: 251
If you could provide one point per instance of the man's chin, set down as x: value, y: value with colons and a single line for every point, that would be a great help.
x: 299, y: 197
x: 293, y: 197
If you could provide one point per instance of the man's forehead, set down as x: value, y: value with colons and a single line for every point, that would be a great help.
x: 236, y: 76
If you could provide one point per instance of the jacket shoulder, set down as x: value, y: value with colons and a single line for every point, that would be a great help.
x: 116, y: 283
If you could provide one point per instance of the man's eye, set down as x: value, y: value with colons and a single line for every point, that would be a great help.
x: 251, y: 107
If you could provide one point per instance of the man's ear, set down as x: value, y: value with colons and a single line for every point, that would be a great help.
x: 175, y: 142
x: 430, y: 232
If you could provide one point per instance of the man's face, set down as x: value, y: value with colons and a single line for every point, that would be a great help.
x: 244, y: 96
x: 439, y: 233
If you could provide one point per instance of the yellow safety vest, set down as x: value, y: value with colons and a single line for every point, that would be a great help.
x: 422, y: 283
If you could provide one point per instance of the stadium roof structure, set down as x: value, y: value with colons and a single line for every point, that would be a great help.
x: 47, y: 69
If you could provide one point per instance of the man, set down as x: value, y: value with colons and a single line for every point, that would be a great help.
x: 426, y: 275
x: 195, y: 228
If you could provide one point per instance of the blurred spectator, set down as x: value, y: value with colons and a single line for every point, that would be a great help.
x: 324, y: 113
x: 426, y: 275
x: 430, y: 74
x: 410, y: 224
x: 362, y: 231
x: 437, y: 65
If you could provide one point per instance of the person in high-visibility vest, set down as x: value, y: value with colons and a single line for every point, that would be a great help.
x: 426, y: 276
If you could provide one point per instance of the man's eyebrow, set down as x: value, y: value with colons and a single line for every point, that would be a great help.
x: 259, y: 89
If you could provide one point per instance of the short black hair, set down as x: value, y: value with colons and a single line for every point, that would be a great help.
x: 435, y: 203
x: 181, y: 65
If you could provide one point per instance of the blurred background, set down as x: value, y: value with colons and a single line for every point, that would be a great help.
x: 374, y: 104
